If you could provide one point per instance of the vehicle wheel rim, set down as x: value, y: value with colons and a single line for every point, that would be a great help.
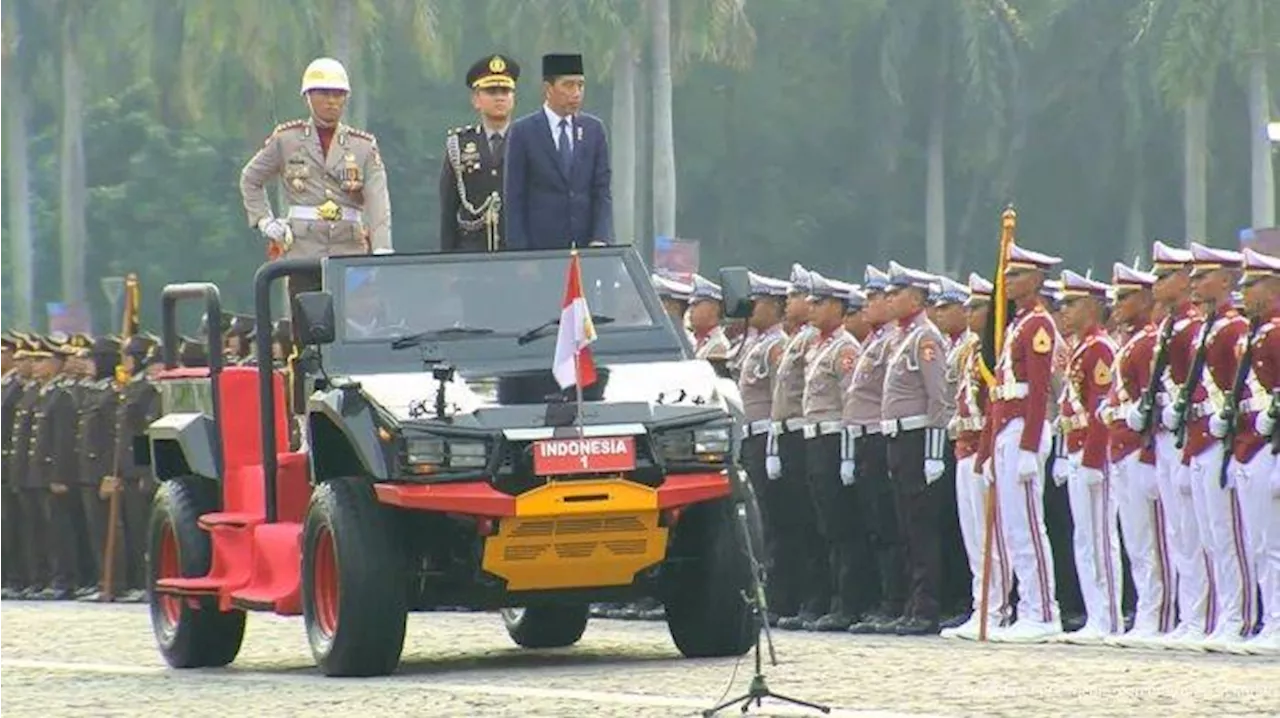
x: 167, y: 566
x: 324, y: 581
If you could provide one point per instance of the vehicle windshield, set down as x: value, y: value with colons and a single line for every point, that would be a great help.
x: 500, y: 295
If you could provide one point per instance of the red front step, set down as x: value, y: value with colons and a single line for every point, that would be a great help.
x: 199, y: 586
x: 275, y: 584
x: 228, y: 518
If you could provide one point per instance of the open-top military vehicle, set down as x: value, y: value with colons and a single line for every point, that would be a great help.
x: 441, y: 464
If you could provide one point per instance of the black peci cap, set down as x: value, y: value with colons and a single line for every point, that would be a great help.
x: 555, y: 65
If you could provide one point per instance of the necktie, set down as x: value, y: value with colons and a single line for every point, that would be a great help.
x: 496, y: 145
x: 566, y: 151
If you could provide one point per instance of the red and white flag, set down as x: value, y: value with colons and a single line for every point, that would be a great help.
x: 573, y: 363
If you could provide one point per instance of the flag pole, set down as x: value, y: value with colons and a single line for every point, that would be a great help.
x: 577, y: 353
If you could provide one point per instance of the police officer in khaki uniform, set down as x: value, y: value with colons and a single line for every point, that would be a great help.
x: 864, y: 457
x: 471, y: 173
x: 675, y: 297
x: 758, y: 368
x: 828, y: 371
x: 334, y: 181
x: 916, y: 409
x: 706, y: 308
x: 798, y: 540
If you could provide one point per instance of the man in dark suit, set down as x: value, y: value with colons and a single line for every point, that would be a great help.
x: 556, y: 184
x: 471, y: 176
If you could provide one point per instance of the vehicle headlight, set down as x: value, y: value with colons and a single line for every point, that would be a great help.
x: 427, y: 454
x: 703, y: 445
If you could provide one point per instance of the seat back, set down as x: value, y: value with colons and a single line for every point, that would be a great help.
x: 238, y: 420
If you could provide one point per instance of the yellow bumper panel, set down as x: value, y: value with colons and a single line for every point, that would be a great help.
x: 578, y: 534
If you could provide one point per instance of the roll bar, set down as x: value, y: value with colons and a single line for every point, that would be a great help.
x: 262, y: 281
x: 169, y: 298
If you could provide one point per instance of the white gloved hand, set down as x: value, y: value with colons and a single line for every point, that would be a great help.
x: 1264, y: 424
x: 847, y: 476
x: 273, y: 227
x: 1061, y: 470
x: 1218, y: 426
x: 933, y: 470
x: 1169, y: 417
x: 1091, y: 477
x: 1075, y: 460
x: 984, y: 473
x: 1028, y: 465
x: 1133, y: 418
x: 773, y: 467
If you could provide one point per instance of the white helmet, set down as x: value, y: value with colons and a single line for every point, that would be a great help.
x: 325, y: 73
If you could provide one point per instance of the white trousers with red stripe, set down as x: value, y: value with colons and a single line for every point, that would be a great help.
x: 971, y: 506
x: 1221, y: 523
x: 1096, y: 543
x: 1258, y: 488
x: 1021, y: 509
x: 1194, y: 578
x: 1146, y: 542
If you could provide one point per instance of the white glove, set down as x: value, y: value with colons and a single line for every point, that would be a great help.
x: 846, y: 472
x: 273, y: 227
x: 1076, y: 460
x: 1061, y: 470
x: 933, y: 469
x: 1169, y: 417
x: 1028, y: 465
x: 1264, y: 424
x: 1091, y: 477
x: 983, y: 472
x: 773, y: 467
x: 384, y: 250
x: 1133, y: 418
x: 1218, y: 426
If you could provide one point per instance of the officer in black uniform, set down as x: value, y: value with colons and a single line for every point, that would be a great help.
x: 96, y: 439
x: 471, y: 174
x: 139, y: 405
x: 17, y: 376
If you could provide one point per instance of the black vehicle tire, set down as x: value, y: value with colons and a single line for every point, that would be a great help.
x: 353, y: 591
x: 546, y: 626
x: 189, y: 636
x: 704, y: 583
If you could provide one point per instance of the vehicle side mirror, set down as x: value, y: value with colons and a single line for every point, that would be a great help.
x: 314, y: 318
x: 735, y: 286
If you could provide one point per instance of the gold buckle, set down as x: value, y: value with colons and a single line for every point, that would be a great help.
x: 329, y: 211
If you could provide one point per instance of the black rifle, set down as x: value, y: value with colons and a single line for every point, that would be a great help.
x: 1147, y: 405
x: 1231, y: 409
x: 1182, y: 406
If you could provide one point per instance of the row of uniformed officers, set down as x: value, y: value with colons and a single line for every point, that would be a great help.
x: 874, y: 440
x: 72, y: 408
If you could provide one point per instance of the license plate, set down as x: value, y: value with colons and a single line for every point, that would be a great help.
x: 604, y: 454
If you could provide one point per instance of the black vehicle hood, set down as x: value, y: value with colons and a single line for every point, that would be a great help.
x: 626, y: 393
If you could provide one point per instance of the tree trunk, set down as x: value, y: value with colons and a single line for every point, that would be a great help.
x: 1263, y: 175
x: 166, y: 62
x: 19, y: 183
x: 935, y: 206
x: 72, y: 205
x: 346, y: 50
x: 1195, y: 181
x: 1135, y: 223
x: 623, y: 145
x: 664, y: 153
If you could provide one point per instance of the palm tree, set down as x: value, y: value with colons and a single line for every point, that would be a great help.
x: 1255, y: 25
x: 17, y: 53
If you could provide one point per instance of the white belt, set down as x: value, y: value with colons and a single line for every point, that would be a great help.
x: 972, y: 423
x: 313, y: 213
x: 892, y: 427
x: 810, y: 431
x: 1200, y: 410
x: 860, y: 430
x: 756, y: 428
x: 1261, y: 402
x: 1008, y: 392
x: 830, y: 427
x: 795, y: 424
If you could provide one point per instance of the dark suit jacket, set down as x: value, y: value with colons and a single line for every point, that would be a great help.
x: 545, y: 209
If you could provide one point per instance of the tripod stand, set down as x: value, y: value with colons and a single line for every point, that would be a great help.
x: 758, y: 690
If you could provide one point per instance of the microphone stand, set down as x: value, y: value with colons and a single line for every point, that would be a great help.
x: 759, y: 689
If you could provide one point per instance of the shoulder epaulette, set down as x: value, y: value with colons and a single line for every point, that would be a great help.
x: 461, y: 130
x: 284, y: 126
x: 363, y: 134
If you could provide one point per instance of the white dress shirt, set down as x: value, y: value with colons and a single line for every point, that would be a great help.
x: 554, y: 120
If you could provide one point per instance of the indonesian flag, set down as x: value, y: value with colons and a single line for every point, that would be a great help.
x: 573, y: 363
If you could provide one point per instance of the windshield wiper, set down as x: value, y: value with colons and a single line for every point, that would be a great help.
x: 413, y: 340
x: 541, y: 330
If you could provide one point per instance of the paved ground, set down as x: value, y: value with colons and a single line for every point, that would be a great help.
x: 67, y: 659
